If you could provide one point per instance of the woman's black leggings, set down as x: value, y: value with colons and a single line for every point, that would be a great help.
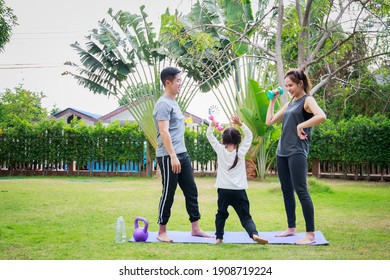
x: 292, y: 176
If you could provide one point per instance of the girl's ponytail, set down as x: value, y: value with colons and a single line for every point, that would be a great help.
x: 235, y: 160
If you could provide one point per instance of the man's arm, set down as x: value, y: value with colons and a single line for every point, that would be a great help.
x: 163, y: 128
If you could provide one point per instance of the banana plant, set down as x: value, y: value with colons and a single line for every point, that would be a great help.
x: 121, y: 59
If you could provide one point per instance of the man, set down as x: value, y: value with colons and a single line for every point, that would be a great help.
x: 172, y: 157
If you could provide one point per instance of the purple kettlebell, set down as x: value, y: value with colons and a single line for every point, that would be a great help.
x: 140, y: 234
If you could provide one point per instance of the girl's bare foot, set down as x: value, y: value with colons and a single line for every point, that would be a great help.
x: 259, y: 240
x: 288, y: 232
x: 308, y: 239
x: 218, y: 241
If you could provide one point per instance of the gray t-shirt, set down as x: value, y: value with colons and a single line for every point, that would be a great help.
x: 289, y: 142
x: 167, y: 109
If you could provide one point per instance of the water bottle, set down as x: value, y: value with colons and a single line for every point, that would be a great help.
x: 120, y: 230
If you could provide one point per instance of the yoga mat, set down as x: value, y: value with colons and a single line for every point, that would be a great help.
x: 235, y: 237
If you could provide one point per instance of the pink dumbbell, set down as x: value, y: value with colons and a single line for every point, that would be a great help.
x: 219, y: 127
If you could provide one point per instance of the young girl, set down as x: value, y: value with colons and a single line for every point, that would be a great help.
x: 298, y: 116
x: 231, y: 178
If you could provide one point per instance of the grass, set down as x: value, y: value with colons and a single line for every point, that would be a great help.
x: 73, y: 218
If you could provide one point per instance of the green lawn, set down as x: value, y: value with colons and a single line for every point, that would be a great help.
x: 73, y: 218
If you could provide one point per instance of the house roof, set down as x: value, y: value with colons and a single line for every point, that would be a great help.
x: 121, y: 109
x: 117, y: 111
x: 79, y: 113
x: 95, y: 117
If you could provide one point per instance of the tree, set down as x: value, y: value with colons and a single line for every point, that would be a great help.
x: 121, y: 59
x: 54, y: 110
x: 329, y: 30
x: 344, y: 49
x: 360, y: 92
x: 22, y: 105
x: 7, y: 22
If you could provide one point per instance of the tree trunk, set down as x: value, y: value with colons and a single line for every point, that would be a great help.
x: 278, y: 51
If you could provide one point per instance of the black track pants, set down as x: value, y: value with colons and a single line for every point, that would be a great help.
x: 186, y: 181
x: 238, y: 199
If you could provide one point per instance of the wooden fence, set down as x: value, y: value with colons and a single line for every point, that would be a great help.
x: 317, y: 169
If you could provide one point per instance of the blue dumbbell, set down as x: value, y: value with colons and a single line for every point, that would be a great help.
x: 271, y: 94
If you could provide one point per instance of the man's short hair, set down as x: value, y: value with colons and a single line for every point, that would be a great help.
x: 168, y: 73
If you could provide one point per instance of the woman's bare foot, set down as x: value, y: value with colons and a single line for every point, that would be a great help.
x: 218, y: 241
x: 308, y: 239
x: 259, y: 240
x: 288, y: 232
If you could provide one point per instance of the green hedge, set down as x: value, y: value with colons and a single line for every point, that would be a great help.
x: 53, y: 142
x: 358, y: 140
x: 198, y: 147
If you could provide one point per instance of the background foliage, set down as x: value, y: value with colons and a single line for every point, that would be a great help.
x: 7, y: 21
x: 360, y: 140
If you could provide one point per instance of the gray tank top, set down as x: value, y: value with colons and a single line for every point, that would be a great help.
x: 289, y: 142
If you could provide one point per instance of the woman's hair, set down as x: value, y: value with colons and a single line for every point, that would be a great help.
x: 297, y: 75
x: 232, y: 135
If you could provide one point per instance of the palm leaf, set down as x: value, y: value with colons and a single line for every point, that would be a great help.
x: 122, y: 59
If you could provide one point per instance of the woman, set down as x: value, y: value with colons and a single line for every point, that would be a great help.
x: 299, y: 116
